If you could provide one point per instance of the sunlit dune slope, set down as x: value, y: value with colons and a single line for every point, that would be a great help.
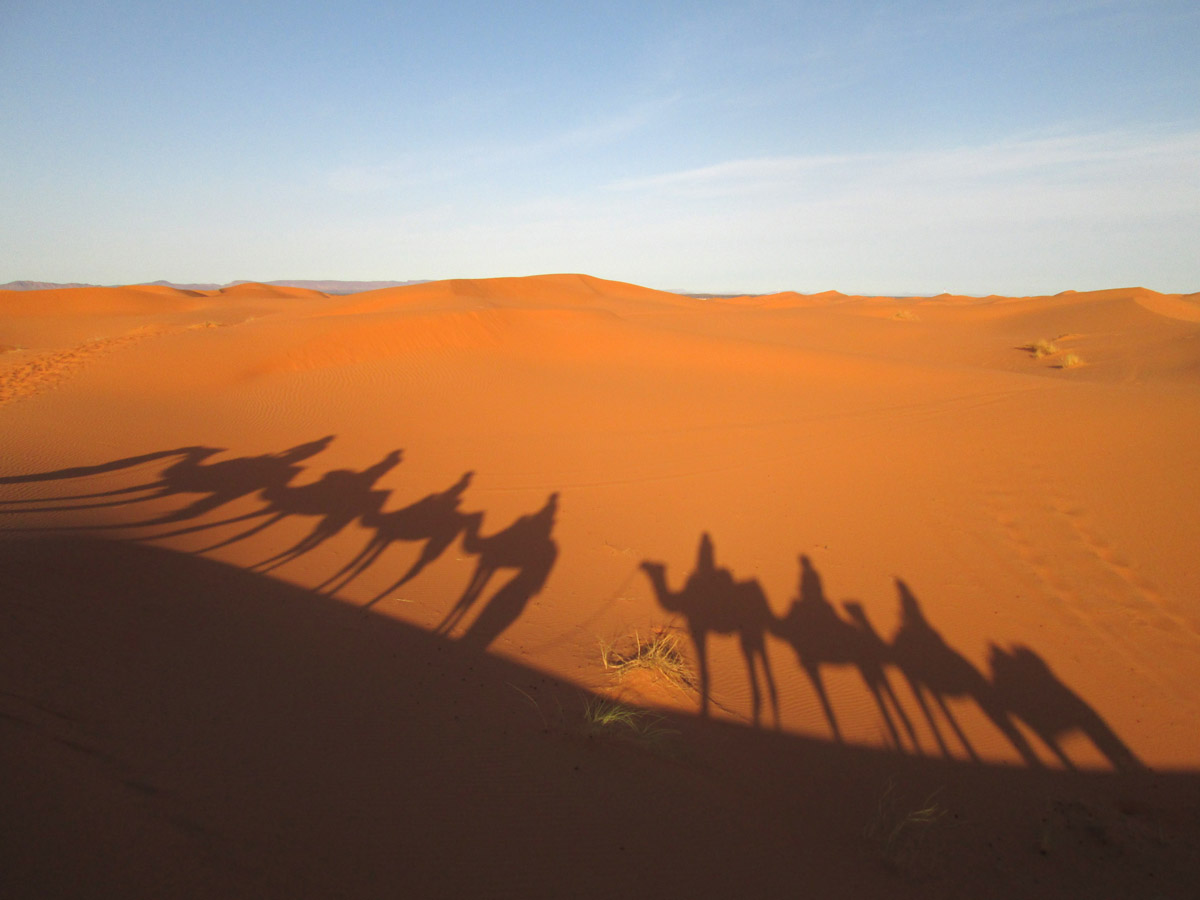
x: 535, y: 462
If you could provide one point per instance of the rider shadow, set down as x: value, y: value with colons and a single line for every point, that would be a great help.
x: 713, y: 602
x: 527, y: 546
x: 1025, y: 685
x: 434, y: 519
x: 820, y: 637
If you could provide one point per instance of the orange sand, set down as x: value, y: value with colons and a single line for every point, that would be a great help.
x: 303, y: 594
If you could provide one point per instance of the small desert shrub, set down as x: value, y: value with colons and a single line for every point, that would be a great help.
x: 901, y: 832
x: 660, y: 654
x: 1042, y: 348
x: 602, y: 716
x: 1071, y: 360
x: 906, y: 315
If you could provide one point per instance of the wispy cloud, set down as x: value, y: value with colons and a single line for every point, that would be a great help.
x: 739, y: 174
x: 488, y: 155
x: 597, y: 131
x: 1104, y: 160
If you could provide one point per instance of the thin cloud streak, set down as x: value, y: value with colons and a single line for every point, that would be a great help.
x: 426, y: 170
x: 1070, y: 158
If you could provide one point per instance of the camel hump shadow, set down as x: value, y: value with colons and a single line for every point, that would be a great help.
x: 226, y: 480
x: 1030, y: 691
x: 714, y: 602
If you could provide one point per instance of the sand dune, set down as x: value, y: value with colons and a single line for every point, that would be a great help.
x: 295, y: 580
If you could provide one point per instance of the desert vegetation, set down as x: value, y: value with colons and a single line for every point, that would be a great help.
x: 1044, y: 348
x: 902, y: 831
x: 660, y: 654
x: 1041, y: 348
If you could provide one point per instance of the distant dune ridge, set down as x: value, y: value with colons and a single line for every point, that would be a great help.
x: 304, y: 591
x: 327, y: 287
x: 39, y: 286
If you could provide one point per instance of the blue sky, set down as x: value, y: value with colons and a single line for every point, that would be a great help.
x: 1008, y: 146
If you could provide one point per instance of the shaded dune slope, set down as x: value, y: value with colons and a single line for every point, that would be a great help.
x: 303, y: 748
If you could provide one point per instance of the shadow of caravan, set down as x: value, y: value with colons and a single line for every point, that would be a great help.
x: 1019, y: 696
x: 935, y: 669
x: 1021, y: 689
x: 219, y: 483
x: 333, y: 502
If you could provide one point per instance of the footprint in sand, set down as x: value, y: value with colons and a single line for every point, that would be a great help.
x: 48, y: 370
x: 1115, y: 606
x: 1079, y: 610
x: 1144, y: 595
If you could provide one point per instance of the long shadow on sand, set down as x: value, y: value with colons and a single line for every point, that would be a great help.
x: 434, y: 520
x: 219, y: 483
x: 333, y: 501
x: 1020, y: 691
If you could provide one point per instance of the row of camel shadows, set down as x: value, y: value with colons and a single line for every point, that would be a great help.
x: 336, y: 500
x: 1021, y: 686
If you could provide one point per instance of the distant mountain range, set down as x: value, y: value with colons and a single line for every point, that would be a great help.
x: 325, y: 287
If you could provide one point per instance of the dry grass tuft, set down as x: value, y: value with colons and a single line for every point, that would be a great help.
x: 1071, y: 360
x: 900, y: 832
x: 1042, y: 348
x: 602, y: 716
x: 660, y: 654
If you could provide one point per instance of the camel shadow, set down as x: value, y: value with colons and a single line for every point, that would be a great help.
x: 336, y: 500
x: 1028, y: 689
x: 527, y: 546
x: 935, y: 669
x: 191, y: 455
x: 820, y: 637
x: 434, y: 520
x: 713, y: 602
